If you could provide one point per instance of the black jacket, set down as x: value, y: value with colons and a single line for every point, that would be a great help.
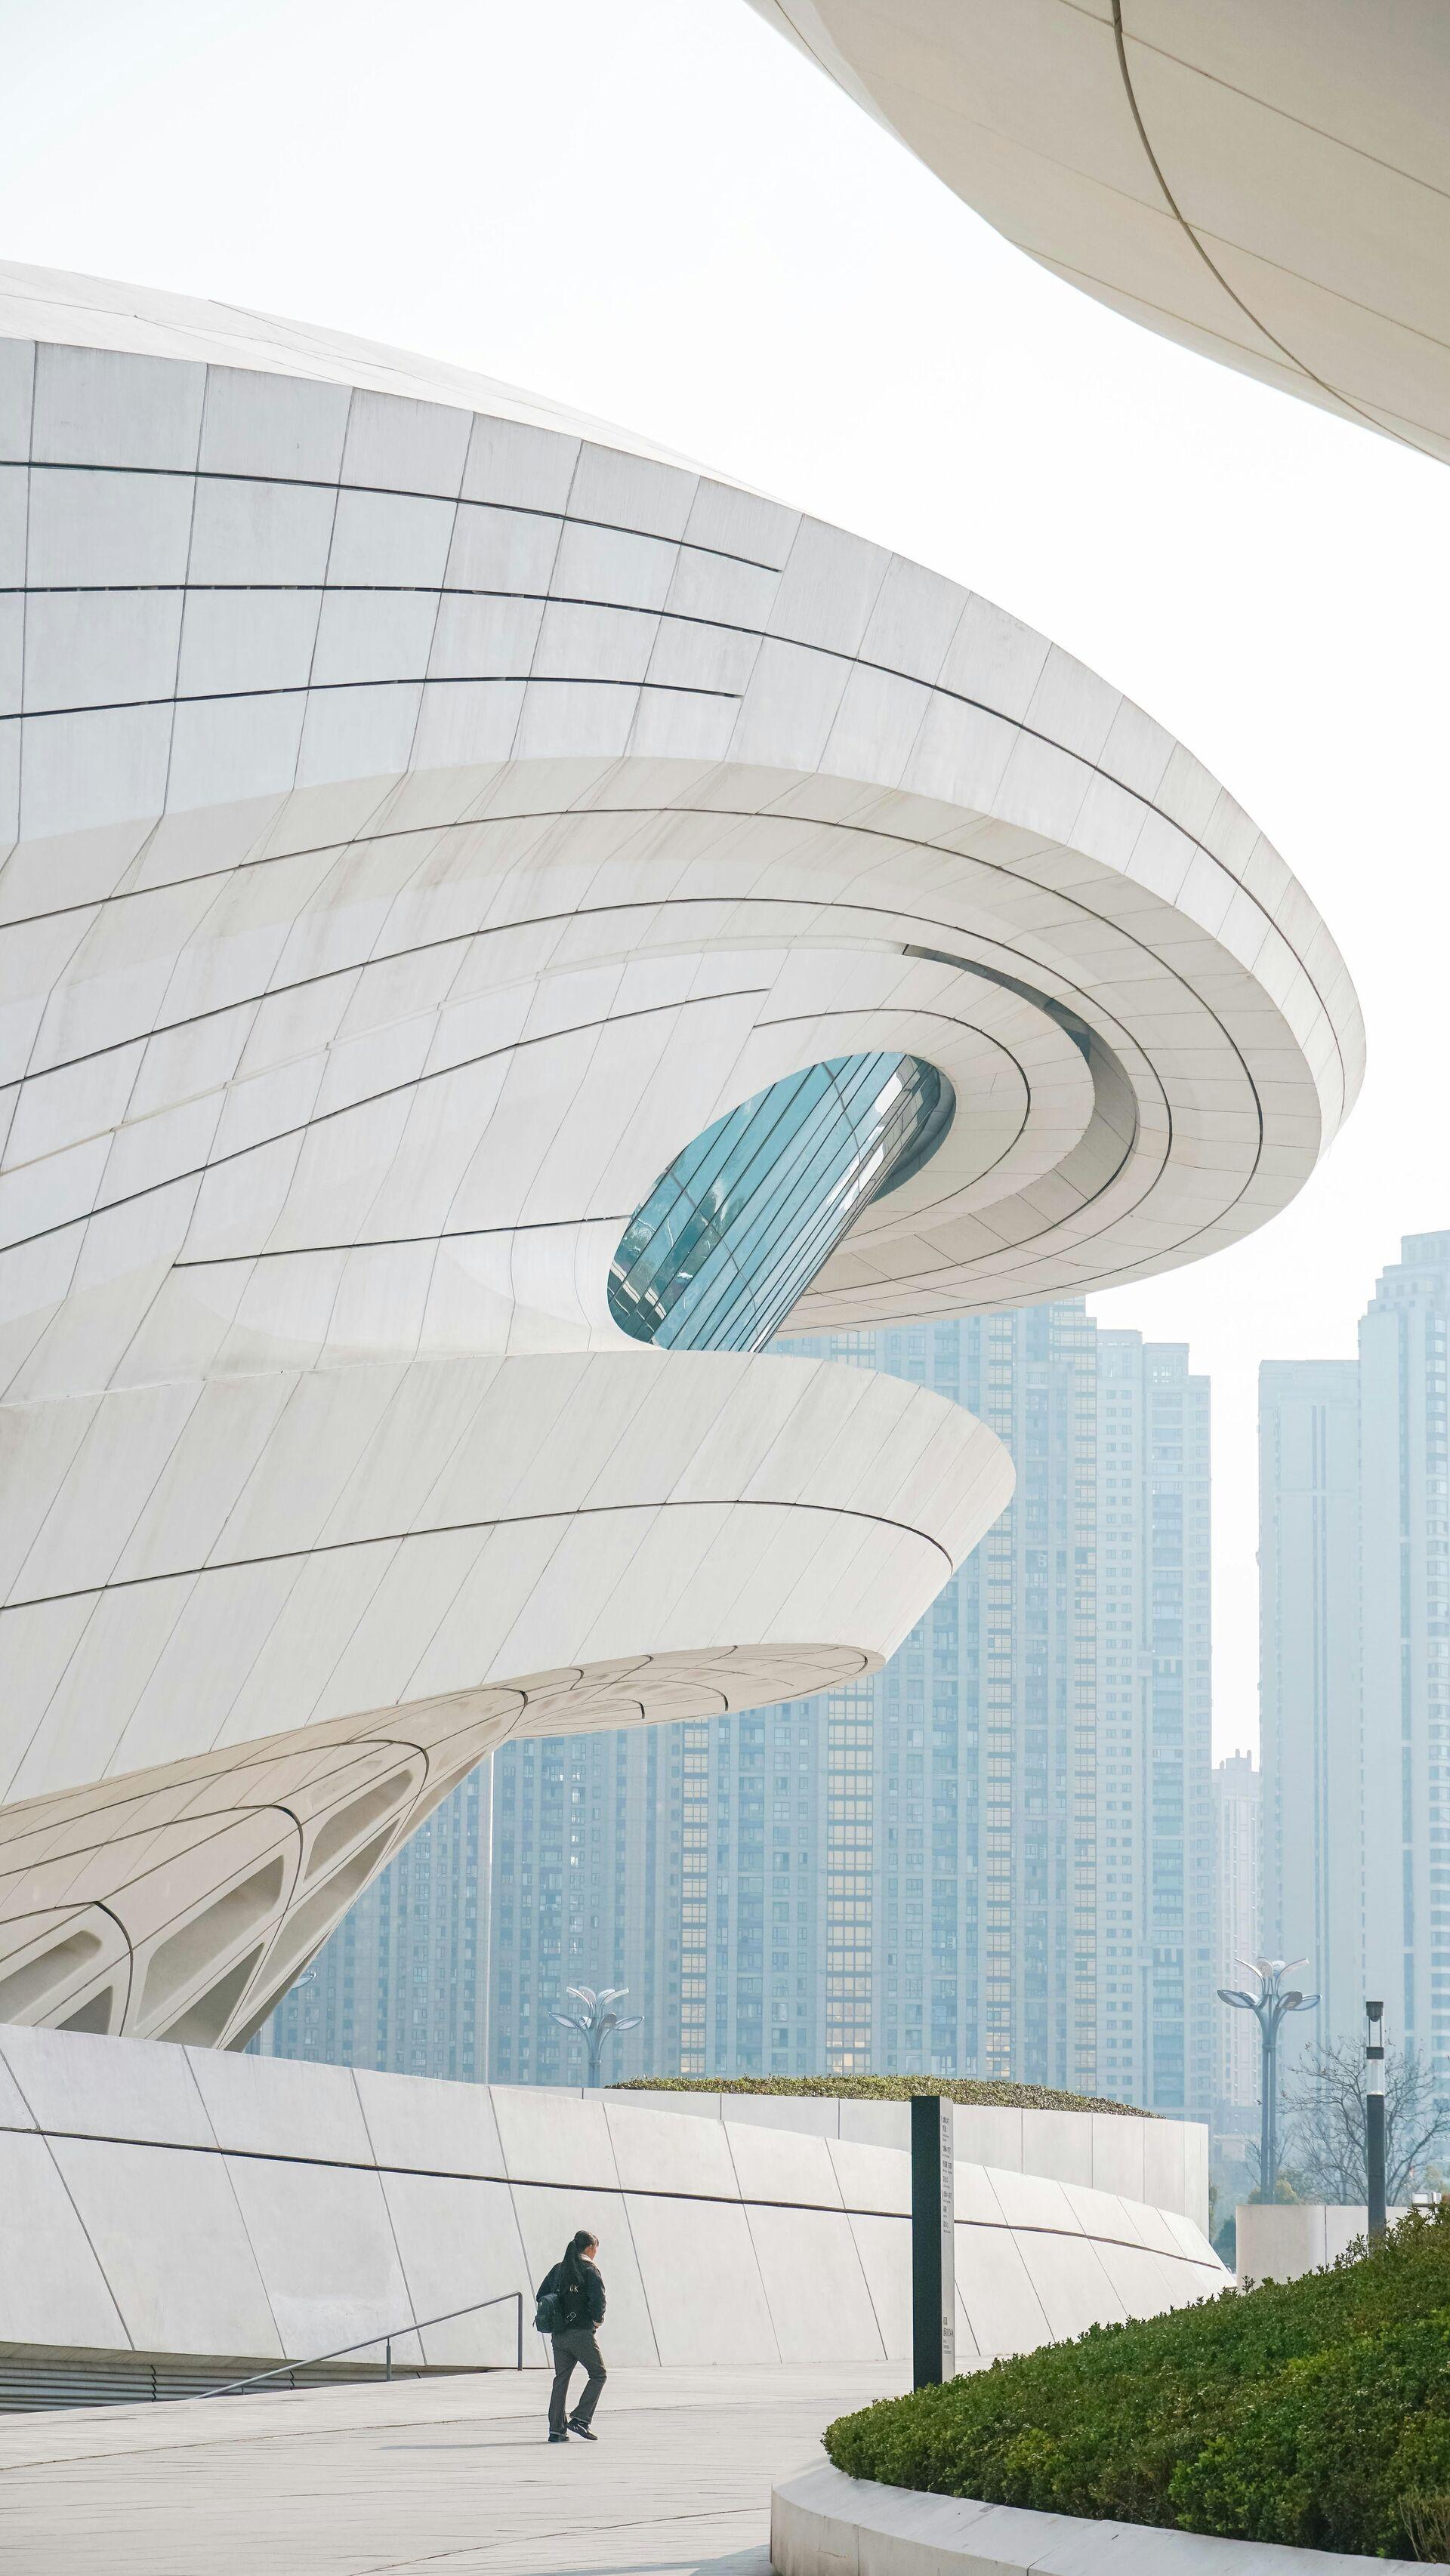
x: 583, y: 2305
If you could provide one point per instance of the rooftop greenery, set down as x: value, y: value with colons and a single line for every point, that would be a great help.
x: 885, y: 2088
x: 1313, y: 2412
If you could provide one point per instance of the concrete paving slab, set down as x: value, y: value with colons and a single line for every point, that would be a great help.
x: 445, y: 2477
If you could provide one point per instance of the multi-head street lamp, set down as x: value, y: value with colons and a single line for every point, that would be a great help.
x: 594, y: 2021
x: 1269, y: 2007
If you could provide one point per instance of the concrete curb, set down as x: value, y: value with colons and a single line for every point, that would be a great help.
x: 825, y: 2524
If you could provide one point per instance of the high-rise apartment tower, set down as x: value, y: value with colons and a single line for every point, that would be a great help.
x: 1309, y: 1688
x: 1236, y: 1811
x: 1404, y: 1524
x: 402, y: 1984
x: 1355, y: 1590
x: 994, y: 1857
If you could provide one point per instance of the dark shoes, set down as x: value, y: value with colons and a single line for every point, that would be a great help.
x: 558, y: 2437
x: 583, y: 2432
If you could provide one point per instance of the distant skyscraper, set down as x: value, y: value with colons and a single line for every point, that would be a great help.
x: 1155, y: 1829
x: 994, y: 1857
x: 1236, y: 1786
x: 1309, y: 1689
x: 1405, y: 1594
x: 1355, y: 1559
x: 403, y: 1982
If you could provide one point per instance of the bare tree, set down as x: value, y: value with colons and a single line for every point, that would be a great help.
x: 1324, y: 2124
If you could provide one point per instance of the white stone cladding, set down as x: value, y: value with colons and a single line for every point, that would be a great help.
x: 425, y: 816
x: 1261, y: 182
x: 825, y: 2524
x: 189, y: 2202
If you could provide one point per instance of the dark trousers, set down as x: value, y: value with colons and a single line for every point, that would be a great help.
x: 576, y: 2344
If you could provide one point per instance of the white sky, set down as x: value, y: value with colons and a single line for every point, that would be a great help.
x: 655, y: 210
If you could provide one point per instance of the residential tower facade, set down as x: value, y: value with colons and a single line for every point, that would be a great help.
x: 1236, y: 1939
x: 402, y: 1984
x: 1310, y: 1649
x: 993, y: 1858
x: 1355, y: 1591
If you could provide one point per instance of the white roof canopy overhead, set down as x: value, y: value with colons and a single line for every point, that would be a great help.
x: 1260, y: 180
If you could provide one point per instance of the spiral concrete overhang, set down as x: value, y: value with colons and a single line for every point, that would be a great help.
x: 425, y: 818
x: 1260, y: 180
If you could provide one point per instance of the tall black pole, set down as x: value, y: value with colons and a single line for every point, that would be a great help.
x: 1268, y: 2107
x: 1374, y: 2116
x: 933, y: 2249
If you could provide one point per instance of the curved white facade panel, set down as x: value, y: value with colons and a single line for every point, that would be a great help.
x: 425, y: 821
x: 1261, y: 181
x: 281, y: 1614
x: 333, y: 2203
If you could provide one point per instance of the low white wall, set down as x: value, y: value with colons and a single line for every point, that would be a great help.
x: 1162, y: 2161
x: 824, y: 2524
x: 1281, y: 2240
x: 164, y: 2200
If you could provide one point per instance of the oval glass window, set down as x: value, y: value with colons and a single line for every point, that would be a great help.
x: 732, y: 1235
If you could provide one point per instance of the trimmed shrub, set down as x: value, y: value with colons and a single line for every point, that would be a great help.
x: 1314, y: 2413
x: 887, y: 2088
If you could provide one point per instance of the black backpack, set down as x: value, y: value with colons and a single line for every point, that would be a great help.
x: 549, y: 2313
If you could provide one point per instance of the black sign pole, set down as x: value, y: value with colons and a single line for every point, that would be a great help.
x: 933, y: 2249
x: 1374, y: 2117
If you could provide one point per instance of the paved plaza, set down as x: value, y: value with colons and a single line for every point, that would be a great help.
x: 448, y: 2476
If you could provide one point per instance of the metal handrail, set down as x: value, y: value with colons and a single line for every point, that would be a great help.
x: 259, y: 2378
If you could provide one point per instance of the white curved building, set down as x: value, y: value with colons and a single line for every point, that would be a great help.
x: 494, y: 920
x: 1261, y: 180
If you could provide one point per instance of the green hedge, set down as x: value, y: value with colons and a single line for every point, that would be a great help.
x: 886, y: 2088
x: 1313, y: 2412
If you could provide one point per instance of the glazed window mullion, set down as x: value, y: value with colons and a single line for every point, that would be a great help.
x: 732, y: 1235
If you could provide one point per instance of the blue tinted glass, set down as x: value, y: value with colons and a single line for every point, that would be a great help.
x: 737, y: 1228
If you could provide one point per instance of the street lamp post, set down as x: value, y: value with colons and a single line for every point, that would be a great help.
x: 1374, y: 2115
x: 1268, y: 2007
x: 594, y: 2021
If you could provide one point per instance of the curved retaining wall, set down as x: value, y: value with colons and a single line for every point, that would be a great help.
x: 168, y: 2201
x: 824, y: 2524
x: 1132, y: 2153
